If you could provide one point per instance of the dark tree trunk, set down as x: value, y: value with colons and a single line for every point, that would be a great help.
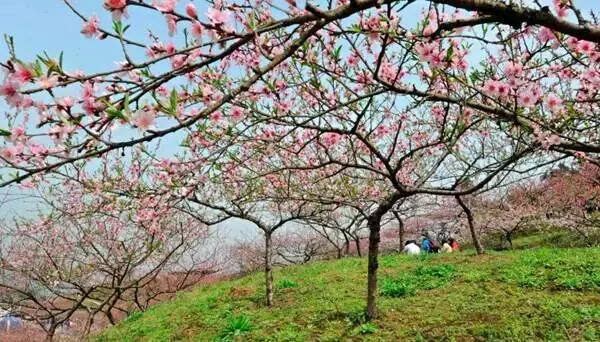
x: 470, y: 221
x: 509, y: 239
x: 357, y: 243
x: 346, y: 244
x: 268, y: 269
x: 374, y: 224
x: 111, y: 318
x: 374, y: 238
x: 50, y: 333
x: 400, y: 232
x: 88, y: 325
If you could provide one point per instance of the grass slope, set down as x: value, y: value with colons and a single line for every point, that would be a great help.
x: 549, y: 294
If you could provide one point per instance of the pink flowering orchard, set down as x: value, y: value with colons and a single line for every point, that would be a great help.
x: 97, y: 256
x: 332, y: 103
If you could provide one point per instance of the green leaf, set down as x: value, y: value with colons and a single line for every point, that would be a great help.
x: 114, y: 113
x: 336, y: 53
x: 4, y: 133
x: 449, y: 53
x: 126, y: 102
x: 173, y: 101
x: 118, y: 27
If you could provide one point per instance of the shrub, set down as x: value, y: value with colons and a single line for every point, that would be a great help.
x: 236, y: 326
x: 356, y: 317
x: 366, y: 328
x: 397, y: 288
x: 286, y: 284
x: 422, y: 278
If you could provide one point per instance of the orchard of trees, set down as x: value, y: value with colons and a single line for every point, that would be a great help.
x: 319, y: 124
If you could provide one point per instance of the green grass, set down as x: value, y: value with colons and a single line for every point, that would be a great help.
x: 540, y: 294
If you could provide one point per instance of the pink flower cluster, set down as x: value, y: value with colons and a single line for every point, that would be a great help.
x: 116, y: 7
x: 330, y: 139
x: 91, y: 27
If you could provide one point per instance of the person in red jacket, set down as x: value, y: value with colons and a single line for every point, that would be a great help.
x: 454, y: 244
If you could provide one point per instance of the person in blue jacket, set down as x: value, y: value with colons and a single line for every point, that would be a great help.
x: 426, y: 245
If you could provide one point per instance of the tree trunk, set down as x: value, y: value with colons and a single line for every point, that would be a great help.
x: 346, y: 244
x: 50, y: 333
x: 509, y: 239
x: 357, y: 243
x: 88, y: 325
x: 268, y: 269
x: 374, y: 238
x: 474, y: 236
x: 400, y: 232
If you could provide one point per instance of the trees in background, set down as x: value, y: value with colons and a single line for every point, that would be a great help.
x: 566, y: 198
x: 93, y: 255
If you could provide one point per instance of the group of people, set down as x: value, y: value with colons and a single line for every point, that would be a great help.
x: 428, y: 245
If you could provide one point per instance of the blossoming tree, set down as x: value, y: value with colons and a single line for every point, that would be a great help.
x: 349, y: 94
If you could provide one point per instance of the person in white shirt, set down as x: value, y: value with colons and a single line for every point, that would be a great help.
x: 411, y: 248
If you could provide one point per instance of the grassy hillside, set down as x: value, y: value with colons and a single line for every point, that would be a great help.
x: 550, y: 294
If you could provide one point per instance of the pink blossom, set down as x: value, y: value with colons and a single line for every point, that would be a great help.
x: 91, y: 28
x: 353, y: 59
x: 585, y: 47
x: 546, y: 35
x: 48, y: 82
x: 554, y: 103
x: 438, y: 113
x: 513, y: 69
x: 9, y: 153
x: 560, y: 6
x: 60, y: 132
x: 178, y: 61
x: 284, y: 107
x: 115, y: 4
x: 190, y: 10
x: 550, y: 140
x: 389, y: 73
x: 490, y: 88
x: 65, y: 102
x: 164, y: 5
x: 217, y: 17
x: 528, y: 97
x: 216, y: 116
x: 431, y: 53
x: 10, y: 88
x: 17, y: 133
x: 331, y: 139
x: 116, y: 7
x: 37, y: 149
x: 144, y: 119
x: 22, y: 74
x: 237, y: 113
x: 171, y: 24
x: 197, y: 29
